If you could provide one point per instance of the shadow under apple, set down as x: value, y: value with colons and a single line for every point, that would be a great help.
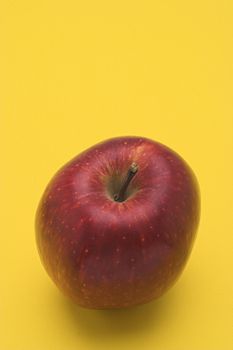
x: 119, y: 323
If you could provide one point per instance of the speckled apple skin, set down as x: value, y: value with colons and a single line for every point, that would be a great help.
x: 107, y: 254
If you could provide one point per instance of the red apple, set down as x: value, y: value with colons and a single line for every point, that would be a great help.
x: 116, y: 225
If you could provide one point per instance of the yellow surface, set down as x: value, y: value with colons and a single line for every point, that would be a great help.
x: 73, y: 73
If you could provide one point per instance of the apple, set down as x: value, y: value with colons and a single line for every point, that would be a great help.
x: 116, y: 225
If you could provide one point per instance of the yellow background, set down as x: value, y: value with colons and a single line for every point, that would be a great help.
x: 73, y: 73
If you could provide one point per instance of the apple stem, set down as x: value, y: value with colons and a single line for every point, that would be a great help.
x: 120, y: 197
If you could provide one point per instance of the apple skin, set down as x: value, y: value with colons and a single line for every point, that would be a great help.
x: 107, y: 254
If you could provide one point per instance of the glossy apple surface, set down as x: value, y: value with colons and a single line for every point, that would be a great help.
x: 103, y: 253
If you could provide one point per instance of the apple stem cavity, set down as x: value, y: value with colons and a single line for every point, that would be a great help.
x: 120, y: 197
